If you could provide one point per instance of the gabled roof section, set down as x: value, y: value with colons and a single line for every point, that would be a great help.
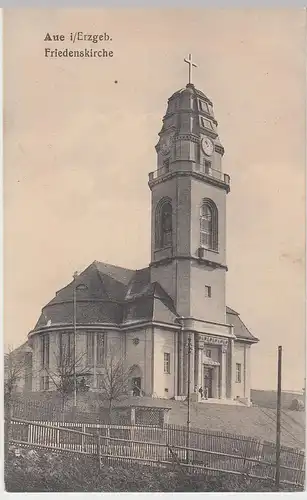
x: 240, y: 329
x: 95, y: 289
x: 138, y: 309
x: 142, y: 295
x: 231, y: 311
x: 103, y: 281
x: 139, y: 284
x: 25, y: 347
x: 117, y: 273
x: 160, y: 293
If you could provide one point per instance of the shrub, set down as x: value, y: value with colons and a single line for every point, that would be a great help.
x: 37, y: 471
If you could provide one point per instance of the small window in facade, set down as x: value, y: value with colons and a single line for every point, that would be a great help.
x: 90, y: 348
x: 167, y: 362
x: 208, y: 353
x: 45, y: 344
x: 66, y: 348
x: 238, y: 373
x: 208, y: 291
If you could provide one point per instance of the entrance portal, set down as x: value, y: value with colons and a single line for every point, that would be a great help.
x: 208, y: 382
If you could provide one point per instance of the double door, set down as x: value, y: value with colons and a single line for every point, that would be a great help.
x: 208, y: 376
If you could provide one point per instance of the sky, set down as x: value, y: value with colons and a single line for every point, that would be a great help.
x: 78, y: 148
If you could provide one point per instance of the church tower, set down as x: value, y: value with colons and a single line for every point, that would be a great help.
x: 189, y: 189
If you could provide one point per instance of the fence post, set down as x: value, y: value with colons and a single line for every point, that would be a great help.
x: 82, y: 439
x: 98, y: 448
x: 57, y: 435
x: 29, y: 433
x: 132, y: 424
x: 278, y: 419
x: 107, y: 442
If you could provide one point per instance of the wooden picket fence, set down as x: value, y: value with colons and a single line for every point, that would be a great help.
x: 200, y: 451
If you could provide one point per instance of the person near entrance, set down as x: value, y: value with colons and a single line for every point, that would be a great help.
x: 201, y: 392
x: 208, y: 383
x: 136, y: 389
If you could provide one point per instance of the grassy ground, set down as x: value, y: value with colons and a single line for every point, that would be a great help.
x: 34, y: 471
x: 252, y: 422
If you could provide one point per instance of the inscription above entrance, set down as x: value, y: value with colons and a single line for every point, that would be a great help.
x: 209, y: 339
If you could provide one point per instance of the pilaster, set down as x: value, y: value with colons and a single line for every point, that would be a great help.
x: 185, y: 362
x: 247, y: 372
x: 230, y: 369
x: 223, y: 371
x: 192, y: 362
x: 198, y: 364
x: 181, y: 363
x: 233, y: 372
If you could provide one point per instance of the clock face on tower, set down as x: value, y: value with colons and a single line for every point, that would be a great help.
x: 207, y: 146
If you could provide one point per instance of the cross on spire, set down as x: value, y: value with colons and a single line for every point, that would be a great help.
x: 191, y: 65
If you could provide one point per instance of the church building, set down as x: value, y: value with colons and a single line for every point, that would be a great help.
x: 168, y: 322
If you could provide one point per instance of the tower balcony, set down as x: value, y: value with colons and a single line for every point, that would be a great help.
x: 202, y: 172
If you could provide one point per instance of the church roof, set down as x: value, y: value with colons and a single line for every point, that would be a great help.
x: 114, y: 294
x: 240, y: 329
x: 189, y: 111
x: 23, y: 348
x: 190, y: 88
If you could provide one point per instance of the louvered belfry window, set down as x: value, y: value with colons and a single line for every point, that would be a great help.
x: 163, y: 224
x: 166, y: 223
x: 209, y: 225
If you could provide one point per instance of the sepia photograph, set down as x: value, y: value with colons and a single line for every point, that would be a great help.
x: 154, y: 249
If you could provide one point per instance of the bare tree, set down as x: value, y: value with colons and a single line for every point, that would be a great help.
x: 114, y: 381
x: 13, y: 372
x: 16, y: 363
x: 63, y: 372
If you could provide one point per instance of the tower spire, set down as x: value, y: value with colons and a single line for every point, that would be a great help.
x: 191, y: 65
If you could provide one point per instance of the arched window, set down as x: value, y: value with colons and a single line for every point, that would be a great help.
x: 209, y: 225
x: 163, y: 227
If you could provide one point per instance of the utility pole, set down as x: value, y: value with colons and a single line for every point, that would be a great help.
x: 278, y: 419
x: 189, y: 383
x: 75, y: 339
x: 81, y: 286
